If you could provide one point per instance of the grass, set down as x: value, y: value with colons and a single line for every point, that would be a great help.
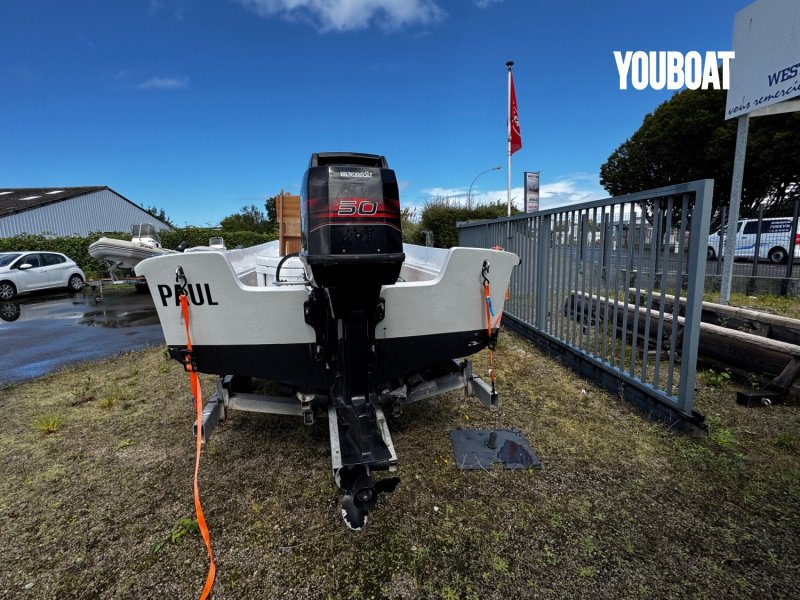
x: 49, y: 423
x: 787, y: 306
x: 623, y: 508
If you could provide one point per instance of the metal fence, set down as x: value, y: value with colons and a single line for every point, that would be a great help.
x: 591, y: 288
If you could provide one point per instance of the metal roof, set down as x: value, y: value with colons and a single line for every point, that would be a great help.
x: 15, y: 200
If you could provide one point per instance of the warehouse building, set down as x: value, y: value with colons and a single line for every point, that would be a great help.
x: 74, y: 211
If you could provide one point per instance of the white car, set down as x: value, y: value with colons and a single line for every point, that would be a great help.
x: 28, y: 271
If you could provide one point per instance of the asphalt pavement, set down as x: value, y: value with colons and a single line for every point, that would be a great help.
x: 43, y: 332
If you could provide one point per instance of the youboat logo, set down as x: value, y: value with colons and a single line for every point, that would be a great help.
x: 673, y: 70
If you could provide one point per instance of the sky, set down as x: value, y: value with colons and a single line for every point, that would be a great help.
x: 201, y: 107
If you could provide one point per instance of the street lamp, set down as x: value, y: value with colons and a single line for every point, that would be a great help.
x: 469, y: 194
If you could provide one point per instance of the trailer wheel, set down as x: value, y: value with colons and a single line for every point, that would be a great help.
x: 710, y: 254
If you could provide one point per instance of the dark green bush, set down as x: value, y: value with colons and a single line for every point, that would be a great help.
x: 196, y: 236
x: 441, y: 219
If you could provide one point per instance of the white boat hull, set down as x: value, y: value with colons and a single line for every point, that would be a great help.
x: 123, y: 254
x: 260, y: 331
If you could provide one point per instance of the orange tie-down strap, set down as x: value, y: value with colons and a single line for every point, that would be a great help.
x: 197, y: 394
x: 487, y: 294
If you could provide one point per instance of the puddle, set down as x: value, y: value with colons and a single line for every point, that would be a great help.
x: 112, y: 318
x: 118, y: 310
x: 54, y: 330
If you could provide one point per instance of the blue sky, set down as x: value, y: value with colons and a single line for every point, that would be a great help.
x: 202, y: 107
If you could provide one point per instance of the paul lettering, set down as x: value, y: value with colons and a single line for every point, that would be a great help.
x: 199, y: 294
x: 165, y: 292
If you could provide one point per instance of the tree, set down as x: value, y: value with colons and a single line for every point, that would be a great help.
x: 271, y: 206
x: 688, y: 138
x: 409, y: 225
x: 159, y: 214
x: 249, y: 218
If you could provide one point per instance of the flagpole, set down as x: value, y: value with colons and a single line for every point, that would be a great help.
x: 509, y: 64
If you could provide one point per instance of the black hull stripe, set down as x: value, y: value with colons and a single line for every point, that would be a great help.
x: 294, y: 364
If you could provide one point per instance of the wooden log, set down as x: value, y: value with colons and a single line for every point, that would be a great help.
x: 777, y: 327
x: 727, y: 348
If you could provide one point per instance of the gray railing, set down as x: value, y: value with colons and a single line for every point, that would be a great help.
x: 591, y: 288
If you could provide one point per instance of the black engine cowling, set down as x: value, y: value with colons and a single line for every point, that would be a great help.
x: 350, y: 220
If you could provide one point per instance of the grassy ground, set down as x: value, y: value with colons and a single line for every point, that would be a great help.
x: 787, y: 306
x: 623, y: 507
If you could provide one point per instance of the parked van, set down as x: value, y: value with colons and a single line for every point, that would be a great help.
x: 774, y: 246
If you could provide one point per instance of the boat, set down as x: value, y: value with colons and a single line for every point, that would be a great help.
x: 354, y: 326
x: 122, y: 254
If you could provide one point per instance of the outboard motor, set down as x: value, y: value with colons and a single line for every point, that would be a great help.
x: 350, y: 220
x: 351, y: 245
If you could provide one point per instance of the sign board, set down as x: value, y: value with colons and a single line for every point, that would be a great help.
x: 766, y: 70
x: 532, y: 191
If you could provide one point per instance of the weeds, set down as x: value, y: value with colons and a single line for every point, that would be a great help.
x: 48, y: 424
x: 785, y: 441
x: 500, y: 565
x: 588, y: 545
x: 723, y: 438
x: 180, y: 530
x: 717, y: 379
x: 82, y: 393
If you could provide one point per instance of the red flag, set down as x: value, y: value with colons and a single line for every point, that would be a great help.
x: 516, y: 138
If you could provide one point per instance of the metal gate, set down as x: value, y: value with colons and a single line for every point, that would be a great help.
x: 591, y: 289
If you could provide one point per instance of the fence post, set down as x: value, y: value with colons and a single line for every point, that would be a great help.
x: 542, y: 260
x: 792, y: 236
x: 696, y: 271
x: 723, y: 231
x: 757, y: 250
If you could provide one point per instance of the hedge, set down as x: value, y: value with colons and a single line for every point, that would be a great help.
x: 77, y: 248
x: 441, y: 220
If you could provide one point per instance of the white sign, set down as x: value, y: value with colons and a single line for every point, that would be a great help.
x: 766, y: 70
x: 532, y: 191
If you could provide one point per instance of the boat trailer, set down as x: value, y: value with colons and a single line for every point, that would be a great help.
x: 348, y: 459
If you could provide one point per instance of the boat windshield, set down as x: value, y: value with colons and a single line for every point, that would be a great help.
x: 8, y: 257
x: 145, y: 230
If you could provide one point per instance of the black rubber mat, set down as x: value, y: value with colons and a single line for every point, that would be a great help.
x: 488, y: 448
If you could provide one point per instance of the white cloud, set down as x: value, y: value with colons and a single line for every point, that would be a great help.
x: 571, y: 190
x: 575, y: 188
x: 164, y: 83
x: 350, y: 15
x: 486, y: 3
